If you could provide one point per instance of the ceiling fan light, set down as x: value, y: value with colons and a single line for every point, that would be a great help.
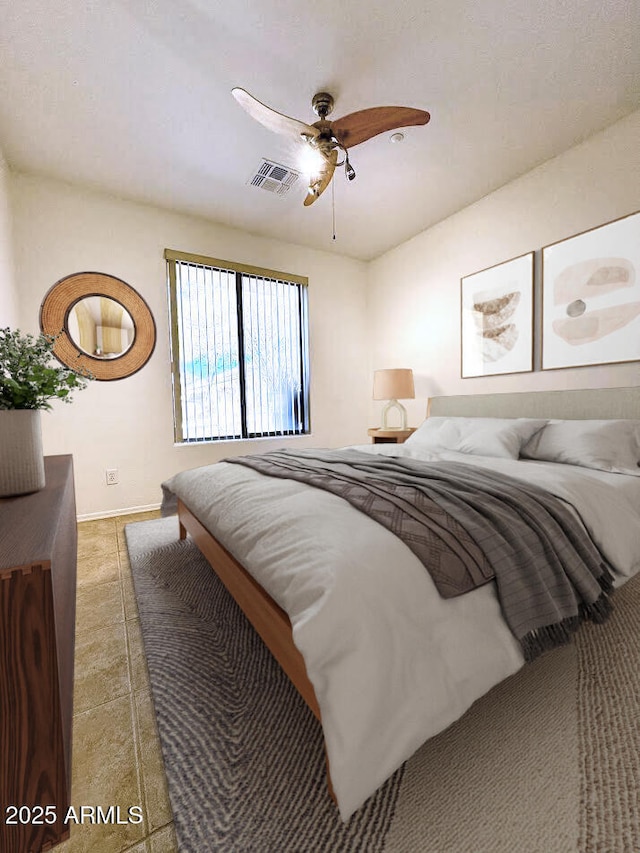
x: 311, y: 162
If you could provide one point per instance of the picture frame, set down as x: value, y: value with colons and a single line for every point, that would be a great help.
x: 591, y: 296
x: 496, y: 319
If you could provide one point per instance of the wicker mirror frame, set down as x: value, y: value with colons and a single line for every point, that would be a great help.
x: 54, y: 320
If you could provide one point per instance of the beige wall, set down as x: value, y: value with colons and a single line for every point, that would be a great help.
x: 414, y: 290
x: 60, y: 229
x: 8, y: 294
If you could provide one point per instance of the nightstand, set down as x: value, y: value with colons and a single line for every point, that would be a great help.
x: 390, y: 436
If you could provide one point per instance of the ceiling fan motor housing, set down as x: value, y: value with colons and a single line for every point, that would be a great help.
x: 322, y: 103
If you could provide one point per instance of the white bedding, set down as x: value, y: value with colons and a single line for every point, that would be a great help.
x: 391, y: 662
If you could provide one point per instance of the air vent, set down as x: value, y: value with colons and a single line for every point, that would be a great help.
x: 273, y: 177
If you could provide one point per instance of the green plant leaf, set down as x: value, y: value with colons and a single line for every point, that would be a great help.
x: 28, y: 380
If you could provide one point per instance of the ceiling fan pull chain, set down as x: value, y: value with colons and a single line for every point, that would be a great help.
x: 333, y: 209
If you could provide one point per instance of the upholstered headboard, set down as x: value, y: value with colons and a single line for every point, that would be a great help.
x: 574, y: 404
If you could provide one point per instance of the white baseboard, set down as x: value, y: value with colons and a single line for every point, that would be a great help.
x: 132, y: 510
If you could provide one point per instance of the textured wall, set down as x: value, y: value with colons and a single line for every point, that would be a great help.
x: 414, y: 290
x: 8, y: 294
x: 128, y: 424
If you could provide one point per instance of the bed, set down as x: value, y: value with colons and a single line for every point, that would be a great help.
x: 347, y: 608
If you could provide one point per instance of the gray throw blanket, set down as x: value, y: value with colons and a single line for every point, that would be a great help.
x: 469, y: 525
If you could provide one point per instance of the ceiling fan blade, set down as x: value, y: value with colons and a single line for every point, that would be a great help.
x: 322, y: 179
x: 357, y: 127
x: 275, y: 121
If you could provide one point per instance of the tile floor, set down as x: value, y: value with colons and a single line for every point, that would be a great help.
x: 116, y: 752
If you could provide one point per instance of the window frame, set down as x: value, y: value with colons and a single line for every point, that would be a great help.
x: 172, y: 257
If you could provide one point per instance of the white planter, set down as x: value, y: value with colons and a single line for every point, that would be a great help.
x: 21, y: 457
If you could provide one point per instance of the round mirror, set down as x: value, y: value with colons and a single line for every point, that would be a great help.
x: 101, y: 327
x: 101, y: 324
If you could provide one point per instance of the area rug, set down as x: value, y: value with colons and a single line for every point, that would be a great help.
x: 547, y: 762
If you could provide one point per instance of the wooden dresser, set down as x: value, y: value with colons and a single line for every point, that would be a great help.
x: 38, y: 554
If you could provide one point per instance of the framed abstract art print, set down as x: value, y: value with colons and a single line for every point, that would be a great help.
x: 591, y: 296
x: 497, y: 319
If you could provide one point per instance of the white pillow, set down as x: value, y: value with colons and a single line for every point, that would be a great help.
x: 605, y: 445
x: 481, y: 436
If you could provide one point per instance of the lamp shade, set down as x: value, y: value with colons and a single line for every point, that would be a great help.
x: 396, y: 384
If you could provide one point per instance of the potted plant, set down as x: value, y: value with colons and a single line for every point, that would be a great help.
x: 29, y: 382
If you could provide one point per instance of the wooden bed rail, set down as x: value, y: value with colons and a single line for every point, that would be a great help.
x: 267, y: 617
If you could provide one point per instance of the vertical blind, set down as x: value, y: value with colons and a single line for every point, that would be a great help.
x: 239, y: 350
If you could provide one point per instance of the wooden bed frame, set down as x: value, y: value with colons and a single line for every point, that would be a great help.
x: 270, y: 620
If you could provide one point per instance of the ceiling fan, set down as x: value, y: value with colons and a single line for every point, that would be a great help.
x: 331, y: 139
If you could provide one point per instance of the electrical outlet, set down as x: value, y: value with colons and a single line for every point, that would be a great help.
x: 112, y: 476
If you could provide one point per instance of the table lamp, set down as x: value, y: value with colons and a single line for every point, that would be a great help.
x: 393, y: 385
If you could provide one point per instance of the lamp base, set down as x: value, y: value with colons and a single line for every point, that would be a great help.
x: 394, y: 404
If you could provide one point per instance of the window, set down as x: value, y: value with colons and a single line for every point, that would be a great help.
x: 239, y: 342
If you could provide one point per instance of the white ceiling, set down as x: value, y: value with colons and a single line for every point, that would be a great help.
x: 134, y: 97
